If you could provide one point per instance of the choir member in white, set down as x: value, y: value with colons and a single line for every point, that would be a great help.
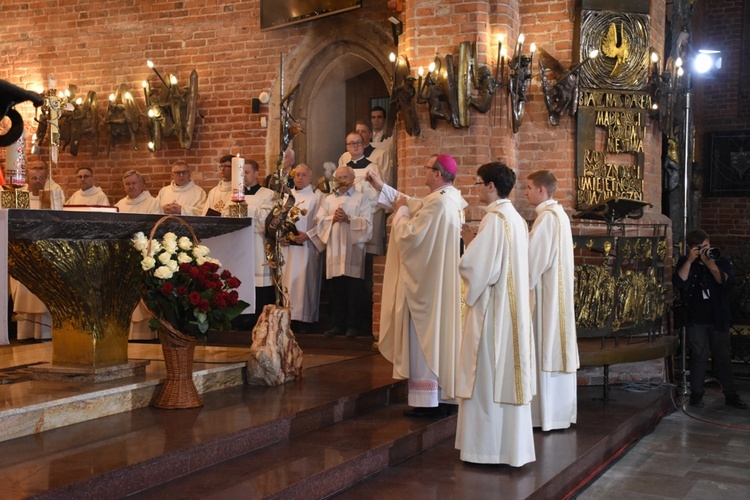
x: 344, y: 225
x: 137, y: 199
x: 182, y: 196
x: 32, y: 316
x: 303, y: 271
x: 551, y: 275
x: 495, y: 381
x: 220, y: 197
x: 52, y: 193
x: 89, y: 194
x: 420, y: 316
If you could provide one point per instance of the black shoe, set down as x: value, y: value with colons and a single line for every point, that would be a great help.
x: 351, y: 333
x: 735, y: 402
x: 697, y: 402
x: 333, y: 332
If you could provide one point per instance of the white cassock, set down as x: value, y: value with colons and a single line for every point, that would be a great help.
x: 144, y: 203
x: 302, y: 271
x: 551, y: 277
x: 93, y: 196
x: 344, y: 242
x: 420, y: 316
x: 219, y: 198
x: 191, y: 197
x: 259, y: 205
x: 495, y: 377
x: 33, y: 317
x: 56, y: 194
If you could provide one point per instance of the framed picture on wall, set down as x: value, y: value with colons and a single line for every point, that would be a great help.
x: 728, y: 166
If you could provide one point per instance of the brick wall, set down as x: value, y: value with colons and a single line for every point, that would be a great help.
x: 722, y: 25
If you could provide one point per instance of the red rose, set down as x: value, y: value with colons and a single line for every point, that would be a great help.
x: 167, y: 288
x: 220, y: 301
x: 225, y: 274
x: 185, y: 267
x: 195, y: 298
x: 181, y: 290
x: 213, y: 266
x: 234, y: 297
x: 233, y: 282
x: 204, y: 305
x: 194, y: 272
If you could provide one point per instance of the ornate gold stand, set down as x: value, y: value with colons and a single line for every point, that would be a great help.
x: 15, y: 199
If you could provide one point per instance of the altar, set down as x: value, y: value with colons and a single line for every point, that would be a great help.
x: 36, y: 243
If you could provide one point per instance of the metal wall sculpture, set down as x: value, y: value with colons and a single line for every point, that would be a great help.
x: 68, y: 119
x: 123, y: 117
x: 403, y: 97
x: 560, y: 86
x: 521, y: 70
x: 172, y: 110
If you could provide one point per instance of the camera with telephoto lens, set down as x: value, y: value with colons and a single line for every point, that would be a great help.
x: 712, y: 253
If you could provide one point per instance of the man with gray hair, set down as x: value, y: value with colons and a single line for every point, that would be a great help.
x: 137, y: 199
x: 182, y: 196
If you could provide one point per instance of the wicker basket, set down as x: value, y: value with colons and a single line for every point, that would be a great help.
x: 178, y: 390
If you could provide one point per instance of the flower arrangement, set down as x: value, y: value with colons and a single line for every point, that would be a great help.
x: 183, y: 288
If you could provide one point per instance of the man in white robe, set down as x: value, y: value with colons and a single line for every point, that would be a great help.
x: 302, y: 271
x: 551, y: 276
x: 32, y: 316
x: 378, y: 156
x: 137, y: 200
x: 420, y: 317
x: 182, y: 196
x: 259, y: 202
x: 52, y: 195
x: 495, y: 376
x: 88, y: 194
x: 343, y: 226
x: 220, y: 197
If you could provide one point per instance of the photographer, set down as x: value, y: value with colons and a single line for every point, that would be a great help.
x: 704, y: 279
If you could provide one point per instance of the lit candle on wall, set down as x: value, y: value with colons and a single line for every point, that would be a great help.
x: 238, y: 178
x: 420, y: 72
x: 531, y: 60
x: 503, y: 56
x: 500, y: 39
x: 519, y: 47
x: 654, y: 66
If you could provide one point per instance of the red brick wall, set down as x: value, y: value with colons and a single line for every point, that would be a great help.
x: 720, y: 25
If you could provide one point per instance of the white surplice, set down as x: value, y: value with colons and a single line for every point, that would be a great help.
x: 551, y: 277
x: 302, y: 271
x: 92, y: 196
x: 191, y: 197
x: 421, y: 300
x: 344, y: 242
x: 144, y: 203
x: 219, y: 198
x: 495, y: 379
x: 259, y: 205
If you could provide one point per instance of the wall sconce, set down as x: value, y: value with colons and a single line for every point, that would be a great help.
x: 561, y: 93
x: 123, y: 116
x: 403, y: 97
x: 521, y: 69
x: 171, y: 110
x: 397, y: 28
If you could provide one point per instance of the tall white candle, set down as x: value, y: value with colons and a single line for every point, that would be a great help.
x: 15, y: 162
x: 238, y: 178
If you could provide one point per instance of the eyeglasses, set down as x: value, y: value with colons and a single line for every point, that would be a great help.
x: 181, y: 172
x: 432, y: 168
x: 354, y: 144
x: 84, y: 176
x: 480, y: 182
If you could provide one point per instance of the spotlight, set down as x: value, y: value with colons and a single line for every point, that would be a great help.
x: 706, y: 60
x: 397, y: 28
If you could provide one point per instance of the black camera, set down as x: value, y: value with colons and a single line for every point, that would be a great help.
x: 712, y: 253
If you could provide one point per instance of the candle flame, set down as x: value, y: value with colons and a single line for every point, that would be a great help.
x: 504, y: 52
x: 521, y: 38
x: 79, y: 101
x: 680, y: 71
x: 128, y: 96
x: 150, y: 113
x: 594, y: 54
x: 111, y: 97
x: 654, y: 57
x: 173, y: 79
x: 151, y: 145
x: 533, y: 48
x: 678, y: 62
x: 144, y: 84
x: 67, y: 92
x: 150, y: 64
x: 501, y: 38
x: 392, y: 57
x: 431, y: 67
x: 420, y: 71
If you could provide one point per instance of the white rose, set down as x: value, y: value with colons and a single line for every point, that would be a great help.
x: 148, y: 263
x: 184, y: 258
x: 169, y: 237
x: 170, y: 246
x: 200, y: 251
x: 200, y: 260
x: 163, y: 273
x: 140, y: 242
x: 214, y: 261
x: 164, y: 257
x: 173, y: 266
x: 184, y: 243
x: 155, y: 248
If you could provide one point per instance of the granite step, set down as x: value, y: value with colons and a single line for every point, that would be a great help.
x: 122, y: 454
x: 316, y: 464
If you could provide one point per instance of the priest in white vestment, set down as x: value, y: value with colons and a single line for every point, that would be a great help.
x: 420, y: 317
x: 343, y: 226
x: 551, y: 278
x: 53, y: 195
x: 33, y: 320
x: 138, y: 201
x: 259, y: 202
x: 303, y: 268
x: 220, y: 197
x: 494, y: 379
x: 88, y: 194
x: 182, y: 196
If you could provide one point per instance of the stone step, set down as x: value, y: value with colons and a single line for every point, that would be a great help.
x: 316, y: 464
x: 122, y: 454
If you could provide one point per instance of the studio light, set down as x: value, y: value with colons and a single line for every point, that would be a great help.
x: 707, y: 60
